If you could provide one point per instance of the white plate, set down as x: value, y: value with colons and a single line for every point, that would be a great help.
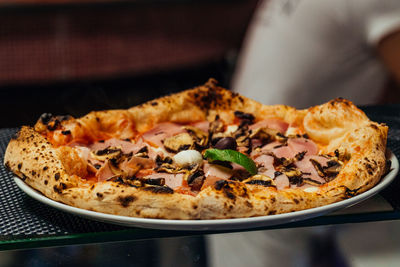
x: 222, y: 224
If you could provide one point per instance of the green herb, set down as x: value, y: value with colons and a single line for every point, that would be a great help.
x: 232, y: 156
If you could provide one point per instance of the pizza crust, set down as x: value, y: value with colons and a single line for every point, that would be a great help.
x: 336, y: 124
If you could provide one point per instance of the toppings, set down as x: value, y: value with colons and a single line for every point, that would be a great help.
x: 179, y: 142
x: 226, y: 143
x: 171, y: 156
x: 260, y: 179
x: 187, y: 157
x: 107, y: 153
x: 199, y: 137
x: 232, y: 156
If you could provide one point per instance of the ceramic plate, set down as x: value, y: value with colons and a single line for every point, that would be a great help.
x: 221, y: 224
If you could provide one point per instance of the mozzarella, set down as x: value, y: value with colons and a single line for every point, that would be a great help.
x: 188, y: 157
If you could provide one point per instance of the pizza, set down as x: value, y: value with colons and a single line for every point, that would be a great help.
x: 204, y: 153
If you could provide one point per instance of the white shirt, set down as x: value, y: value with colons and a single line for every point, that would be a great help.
x: 306, y: 52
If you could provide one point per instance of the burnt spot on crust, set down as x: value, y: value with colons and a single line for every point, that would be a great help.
x: 57, y: 176
x: 7, y: 165
x: 348, y: 193
x: 46, y: 182
x: 67, y: 132
x: 19, y: 166
x: 45, y: 118
x: 125, y: 201
x: 211, y: 96
x: 373, y: 126
x: 220, y: 184
x: 246, y: 117
x: 226, y: 188
x: 45, y: 168
x: 159, y: 189
x: 339, y: 100
x: 59, y: 188
x: 154, y: 103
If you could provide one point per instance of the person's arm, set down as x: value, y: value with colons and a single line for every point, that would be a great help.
x: 389, y: 50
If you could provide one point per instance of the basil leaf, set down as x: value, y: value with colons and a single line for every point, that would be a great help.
x: 232, y: 156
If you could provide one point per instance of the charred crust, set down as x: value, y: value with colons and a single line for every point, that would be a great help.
x: 125, y: 201
x: 45, y: 168
x: 46, y: 182
x: 348, y: 193
x: 220, y: 184
x: 226, y: 188
x: 7, y: 165
x: 159, y: 189
x: 19, y: 166
x: 373, y: 126
x: 339, y: 100
x: 45, y: 118
x: 67, y: 132
x: 56, y: 189
x: 154, y: 103
x: 57, y: 176
x: 246, y: 117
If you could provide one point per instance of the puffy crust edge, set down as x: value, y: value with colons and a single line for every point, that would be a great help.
x: 34, y: 159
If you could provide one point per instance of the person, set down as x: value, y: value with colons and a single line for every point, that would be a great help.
x: 303, y: 53
x: 306, y: 52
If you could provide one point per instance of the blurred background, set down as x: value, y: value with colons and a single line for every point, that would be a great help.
x: 71, y: 57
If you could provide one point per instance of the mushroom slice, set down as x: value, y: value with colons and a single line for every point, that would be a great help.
x: 107, y: 153
x: 260, y: 179
x: 332, y: 169
x: 311, y: 182
x: 265, y: 134
x: 200, y: 137
x: 176, y: 143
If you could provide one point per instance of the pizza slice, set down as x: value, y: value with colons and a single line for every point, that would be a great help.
x: 205, y: 153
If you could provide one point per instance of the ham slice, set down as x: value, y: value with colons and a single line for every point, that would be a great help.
x: 282, y: 182
x: 202, y: 125
x: 104, y: 173
x: 302, y: 144
x: 171, y: 180
x: 275, y: 124
x: 217, y: 171
x: 161, y: 131
x: 267, y: 162
x: 293, y: 147
x: 309, y: 170
x: 130, y: 167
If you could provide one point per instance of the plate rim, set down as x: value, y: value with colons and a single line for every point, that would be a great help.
x: 215, y: 224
